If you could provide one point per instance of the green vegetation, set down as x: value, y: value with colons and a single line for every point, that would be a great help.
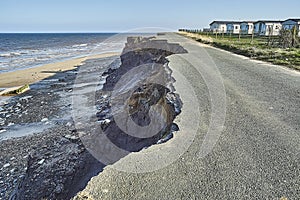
x: 21, y: 89
x: 260, y: 48
x: 17, y: 91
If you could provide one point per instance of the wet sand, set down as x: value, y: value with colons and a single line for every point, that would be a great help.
x: 32, y: 75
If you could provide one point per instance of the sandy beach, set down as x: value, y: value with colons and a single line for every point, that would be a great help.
x: 32, y: 75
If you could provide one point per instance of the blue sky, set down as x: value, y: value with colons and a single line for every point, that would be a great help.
x: 124, y: 15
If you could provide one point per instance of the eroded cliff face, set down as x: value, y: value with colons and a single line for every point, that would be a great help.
x: 141, y: 51
x: 141, y: 83
x: 140, y: 91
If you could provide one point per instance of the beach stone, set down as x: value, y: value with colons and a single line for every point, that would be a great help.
x: 68, y: 136
x: 11, y: 124
x: 26, y: 98
x: 174, y: 127
x: 105, y: 121
x: 59, y: 188
x: 6, y: 165
x: 165, y: 139
x: 81, y: 134
x: 74, y: 137
x: 44, y: 120
x: 41, y: 161
x: 2, y: 131
x: 71, y: 137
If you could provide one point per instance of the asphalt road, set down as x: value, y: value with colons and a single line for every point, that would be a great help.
x: 254, y: 156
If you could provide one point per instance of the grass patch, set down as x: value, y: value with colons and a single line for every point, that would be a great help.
x: 16, y: 91
x: 260, y: 48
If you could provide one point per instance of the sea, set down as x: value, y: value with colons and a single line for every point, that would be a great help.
x: 25, y: 50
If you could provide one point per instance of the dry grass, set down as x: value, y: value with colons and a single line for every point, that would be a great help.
x: 259, y: 48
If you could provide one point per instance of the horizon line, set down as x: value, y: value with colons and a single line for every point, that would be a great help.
x: 117, y: 32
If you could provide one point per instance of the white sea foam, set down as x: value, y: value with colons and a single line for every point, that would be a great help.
x: 79, y: 45
x: 15, y: 54
x: 5, y: 55
x: 11, y: 54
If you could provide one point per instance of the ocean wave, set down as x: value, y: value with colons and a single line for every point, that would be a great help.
x: 11, y: 54
x: 79, y: 45
x: 5, y: 55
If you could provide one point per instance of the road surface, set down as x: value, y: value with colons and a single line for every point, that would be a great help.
x: 255, y: 156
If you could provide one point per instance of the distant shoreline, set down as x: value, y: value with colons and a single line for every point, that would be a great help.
x: 29, y: 50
